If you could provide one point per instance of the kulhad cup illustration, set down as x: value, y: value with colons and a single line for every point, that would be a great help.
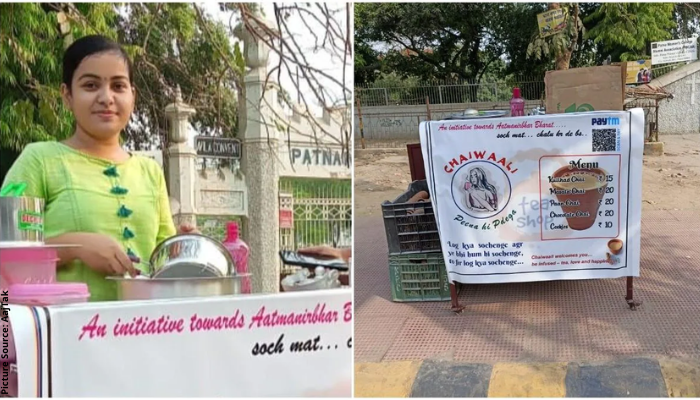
x: 615, y: 246
x: 580, y: 192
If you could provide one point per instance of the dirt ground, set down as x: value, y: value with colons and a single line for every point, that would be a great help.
x: 670, y: 182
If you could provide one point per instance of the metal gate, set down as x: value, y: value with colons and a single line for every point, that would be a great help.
x: 319, y: 212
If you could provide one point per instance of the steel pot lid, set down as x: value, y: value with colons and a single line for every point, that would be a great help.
x: 469, y: 114
x: 191, y: 255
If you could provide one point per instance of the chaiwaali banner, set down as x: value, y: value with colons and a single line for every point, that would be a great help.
x: 537, y: 198
x: 284, y: 345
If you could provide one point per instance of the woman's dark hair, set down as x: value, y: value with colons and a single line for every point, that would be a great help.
x: 88, y: 46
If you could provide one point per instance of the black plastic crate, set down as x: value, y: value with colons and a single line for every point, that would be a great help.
x: 408, y: 233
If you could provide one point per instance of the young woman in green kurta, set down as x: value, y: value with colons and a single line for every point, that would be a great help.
x: 109, y: 202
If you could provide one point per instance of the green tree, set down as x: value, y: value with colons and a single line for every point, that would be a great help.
x: 31, y: 43
x: 470, y: 41
x: 687, y: 17
x: 367, y: 64
x: 178, y: 45
x: 631, y: 27
x: 561, y: 46
x: 515, y: 32
x: 441, y: 41
x: 366, y: 59
x: 171, y: 44
x: 456, y: 41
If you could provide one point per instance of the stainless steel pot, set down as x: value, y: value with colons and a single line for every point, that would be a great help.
x: 21, y: 220
x: 191, y: 256
x: 149, y: 289
x: 474, y: 114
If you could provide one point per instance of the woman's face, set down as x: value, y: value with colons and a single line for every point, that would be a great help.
x: 473, y: 177
x: 101, y: 96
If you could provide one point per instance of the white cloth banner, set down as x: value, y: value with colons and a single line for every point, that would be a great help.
x: 537, y: 198
x: 285, y: 345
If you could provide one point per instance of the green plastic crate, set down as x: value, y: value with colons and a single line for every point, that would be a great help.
x: 418, y: 277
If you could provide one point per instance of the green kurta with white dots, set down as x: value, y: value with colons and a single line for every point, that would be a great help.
x: 127, y: 201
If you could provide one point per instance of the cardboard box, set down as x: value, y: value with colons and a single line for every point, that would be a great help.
x: 585, y: 89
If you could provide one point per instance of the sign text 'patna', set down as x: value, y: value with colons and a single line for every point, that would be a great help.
x: 319, y: 157
x: 218, y: 147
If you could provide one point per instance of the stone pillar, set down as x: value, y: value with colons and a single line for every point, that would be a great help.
x: 182, y: 162
x: 259, y: 164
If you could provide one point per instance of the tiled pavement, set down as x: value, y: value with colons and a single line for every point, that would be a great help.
x: 541, y: 322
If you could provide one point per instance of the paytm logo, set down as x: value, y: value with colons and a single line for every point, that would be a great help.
x: 605, y: 121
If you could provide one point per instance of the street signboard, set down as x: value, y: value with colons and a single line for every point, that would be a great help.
x: 218, y: 147
x: 673, y: 51
x: 551, y: 22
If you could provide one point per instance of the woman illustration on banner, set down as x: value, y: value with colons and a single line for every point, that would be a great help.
x: 481, y: 195
x: 111, y: 204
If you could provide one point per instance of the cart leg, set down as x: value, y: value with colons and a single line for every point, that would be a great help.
x: 630, y: 294
x: 456, y: 308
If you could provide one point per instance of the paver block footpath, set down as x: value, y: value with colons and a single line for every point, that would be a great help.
x: 632, y: 377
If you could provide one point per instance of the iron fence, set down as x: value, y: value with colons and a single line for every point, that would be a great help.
x: 321, y: 213
x: 411, y: 93
x: 659, y: 71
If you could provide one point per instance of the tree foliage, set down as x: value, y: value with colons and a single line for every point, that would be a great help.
x: 432, y: 40
x: 561, y: 45
x: 180, y: 46
x: 30, y: 69
x: 366, y: 59
x: 171, y: 44
x: 470, y: 41
x: 631, y: 26
x: 687, y: 18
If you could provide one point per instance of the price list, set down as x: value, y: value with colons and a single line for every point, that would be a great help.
x: 582, y: 194
x: 607, y: 218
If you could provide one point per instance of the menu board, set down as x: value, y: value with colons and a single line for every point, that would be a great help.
x: 537, y: 198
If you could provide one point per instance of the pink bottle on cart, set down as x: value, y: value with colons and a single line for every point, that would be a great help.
x: 239, y: 251
x: 517, y: 104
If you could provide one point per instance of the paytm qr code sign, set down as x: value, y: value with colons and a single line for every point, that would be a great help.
x: 605, y: 134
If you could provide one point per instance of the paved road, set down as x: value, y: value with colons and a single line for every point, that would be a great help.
x: 564, y: 323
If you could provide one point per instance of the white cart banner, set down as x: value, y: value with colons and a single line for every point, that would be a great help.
x: 537, y: 198
x: 672, y: 51
x: 287, y: 345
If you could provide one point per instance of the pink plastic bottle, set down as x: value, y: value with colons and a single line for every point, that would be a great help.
x: 239, y: 251
x: 517, y: 104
